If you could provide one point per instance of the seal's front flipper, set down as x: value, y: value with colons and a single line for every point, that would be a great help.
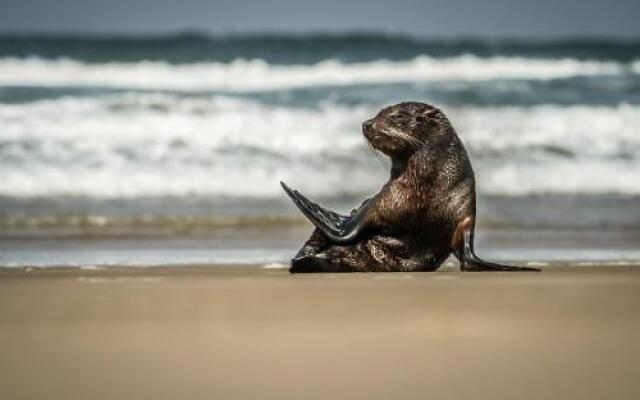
x: 309, y: 264
x: 338, y: 228
x: 469, y: 262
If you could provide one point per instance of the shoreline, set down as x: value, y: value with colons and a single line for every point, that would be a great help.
x: 259, y: 245
x: 186, y: 269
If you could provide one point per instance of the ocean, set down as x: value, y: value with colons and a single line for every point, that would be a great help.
x: 112, y: 137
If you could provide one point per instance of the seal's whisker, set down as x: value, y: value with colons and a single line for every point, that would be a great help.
x: 376, y: 154
x: 404, y: 137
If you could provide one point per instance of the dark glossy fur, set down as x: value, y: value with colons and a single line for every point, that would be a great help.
x: 412, y: 221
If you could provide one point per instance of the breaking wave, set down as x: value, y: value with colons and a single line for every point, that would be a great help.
x: 142, y: 144
x: 255, y: 74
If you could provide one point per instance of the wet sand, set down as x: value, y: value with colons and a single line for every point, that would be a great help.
x: 569, y: 332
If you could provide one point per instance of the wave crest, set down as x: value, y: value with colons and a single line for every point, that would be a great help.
x: 256, y: 75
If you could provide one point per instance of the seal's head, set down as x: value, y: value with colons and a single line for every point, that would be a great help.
x: 402, y: 129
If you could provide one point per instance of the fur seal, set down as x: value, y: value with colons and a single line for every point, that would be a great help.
x: 422, y: 214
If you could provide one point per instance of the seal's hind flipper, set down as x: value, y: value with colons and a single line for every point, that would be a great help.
x: 473, y: 263
x: 331, y: 220
x: 338, y: 228
x: 469, y: 261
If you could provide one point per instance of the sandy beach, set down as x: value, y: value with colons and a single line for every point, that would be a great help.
x: 246, y: 332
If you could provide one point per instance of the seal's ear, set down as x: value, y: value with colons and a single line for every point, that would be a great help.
x: 431, y: 114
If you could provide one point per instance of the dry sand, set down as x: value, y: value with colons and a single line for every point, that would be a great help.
x: 248, y: 333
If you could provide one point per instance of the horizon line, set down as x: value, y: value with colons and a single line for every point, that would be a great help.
x: 310, y: 34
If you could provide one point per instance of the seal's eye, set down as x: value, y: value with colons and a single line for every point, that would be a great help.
x: 433, y: 113
x: 400, y: 117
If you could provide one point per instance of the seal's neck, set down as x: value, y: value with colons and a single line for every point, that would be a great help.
x: 398, y: 166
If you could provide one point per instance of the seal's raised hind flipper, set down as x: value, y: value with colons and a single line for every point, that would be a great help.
x: 468, y: 260
x: 338, y: 228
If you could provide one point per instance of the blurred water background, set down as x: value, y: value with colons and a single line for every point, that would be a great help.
x: 169, y: 149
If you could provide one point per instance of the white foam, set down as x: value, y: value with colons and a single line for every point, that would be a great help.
x: 553, y: 149
x: 250, y: 75
x: 275, y: 266
x: 217, y: 146
x: 153, y: 145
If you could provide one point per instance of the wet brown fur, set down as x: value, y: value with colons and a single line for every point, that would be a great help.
x: 416, y: 219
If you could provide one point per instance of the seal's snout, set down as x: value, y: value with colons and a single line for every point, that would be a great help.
x: 369, y: 129
x: 367, y: 126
